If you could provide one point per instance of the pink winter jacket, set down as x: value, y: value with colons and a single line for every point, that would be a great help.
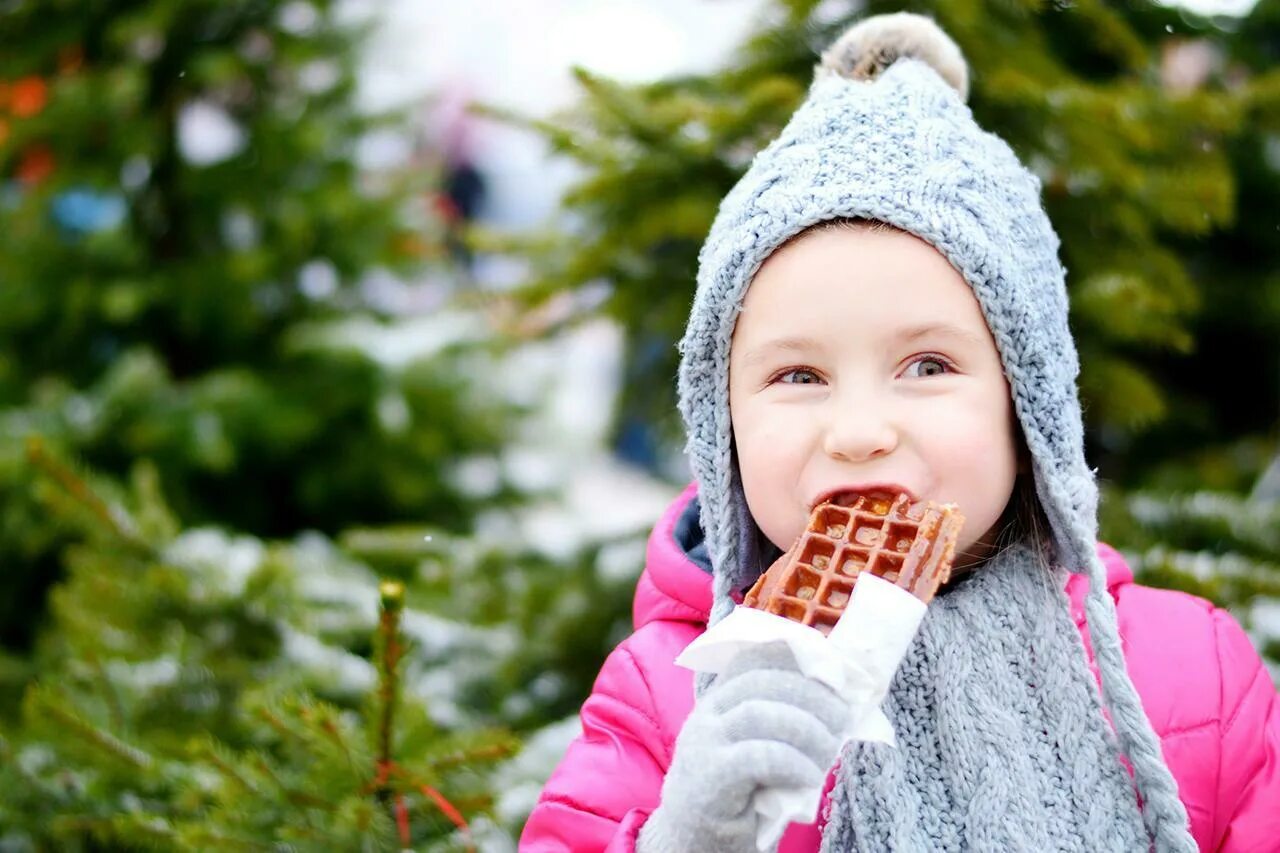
x: 1202, y: 684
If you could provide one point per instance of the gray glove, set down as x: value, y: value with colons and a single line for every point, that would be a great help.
x: 761, y: 724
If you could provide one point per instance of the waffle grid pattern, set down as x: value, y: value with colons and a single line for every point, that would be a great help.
x: 910, y: 545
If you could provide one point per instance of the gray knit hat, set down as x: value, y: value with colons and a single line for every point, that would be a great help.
x: 885, y: 134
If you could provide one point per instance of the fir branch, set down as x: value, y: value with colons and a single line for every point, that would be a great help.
x: 44, y: 701
x: 291, y: 794
x: 210, y: 751
x: 623, y: 103
x: 330, y: 728
x: 559, y: 138
x: 206, y: 838
x: 272, y: 719
x: 102, y: 829
x: 488, y: 752
x: 145, y: 830
x: 390, y: 651
x: 75, y: 486
x: 108, y: 689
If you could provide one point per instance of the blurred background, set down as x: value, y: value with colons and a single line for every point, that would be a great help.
x: 337, y: 368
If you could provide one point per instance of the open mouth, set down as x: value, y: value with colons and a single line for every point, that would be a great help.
x: 848, y: 497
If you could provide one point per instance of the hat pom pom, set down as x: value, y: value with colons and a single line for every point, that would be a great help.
x: 873, y: 44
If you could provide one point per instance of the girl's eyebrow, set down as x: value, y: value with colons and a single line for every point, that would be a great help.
x: 913, y: 333
x: 794, y: 343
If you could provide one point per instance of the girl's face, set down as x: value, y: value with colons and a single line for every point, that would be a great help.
x: 861, y: 358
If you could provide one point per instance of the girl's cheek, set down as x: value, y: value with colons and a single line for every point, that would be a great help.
x: 782, y: 437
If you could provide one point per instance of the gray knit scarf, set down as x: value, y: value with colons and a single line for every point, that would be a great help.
x: 1002, y: 745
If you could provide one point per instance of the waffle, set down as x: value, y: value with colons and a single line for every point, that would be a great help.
x: 909, y: 544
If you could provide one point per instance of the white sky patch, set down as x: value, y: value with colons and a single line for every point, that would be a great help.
x: 518, y: 55
x: 622, y: 39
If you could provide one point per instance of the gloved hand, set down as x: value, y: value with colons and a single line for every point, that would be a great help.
x: 762, y: 723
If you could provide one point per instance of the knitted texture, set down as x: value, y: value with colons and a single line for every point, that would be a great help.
x: 996, y: 746
x: 763, y: 724
x: 903, y: 148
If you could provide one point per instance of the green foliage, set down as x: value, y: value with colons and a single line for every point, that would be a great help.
x: 201, y: 691
x: 204, y: 267
x: 205, y: 675
x: 327, y: 437
x: 538, y: 626
x: 215, y: 323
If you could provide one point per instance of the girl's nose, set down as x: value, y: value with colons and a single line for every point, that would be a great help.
x: 860, y: 434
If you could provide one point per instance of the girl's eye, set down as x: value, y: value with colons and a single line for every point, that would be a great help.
x: 797, y: 376
x: 929, y: 365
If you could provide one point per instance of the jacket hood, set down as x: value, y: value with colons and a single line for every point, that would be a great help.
x: 676, y: 582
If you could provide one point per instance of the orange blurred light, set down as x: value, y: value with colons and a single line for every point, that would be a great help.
x: 28, y: 97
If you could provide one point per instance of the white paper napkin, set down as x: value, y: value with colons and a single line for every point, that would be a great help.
x: 857, y: 660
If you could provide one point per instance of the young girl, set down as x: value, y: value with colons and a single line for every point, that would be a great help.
x: 880, y: 304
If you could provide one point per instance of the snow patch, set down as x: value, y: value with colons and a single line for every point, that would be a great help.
x: 144, y: 676
x: 397, y: 345
x: 216, y: 556
x: 207, y: 134
x: 349, y: 673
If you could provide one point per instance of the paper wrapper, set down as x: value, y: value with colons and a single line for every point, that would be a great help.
x: 857, y: 660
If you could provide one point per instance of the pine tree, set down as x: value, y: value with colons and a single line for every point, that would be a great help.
x: 1204, y: 515
x: 186, y: 240
x: 195, y: 691
x: 537, y: 626
x: 202, y: 677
